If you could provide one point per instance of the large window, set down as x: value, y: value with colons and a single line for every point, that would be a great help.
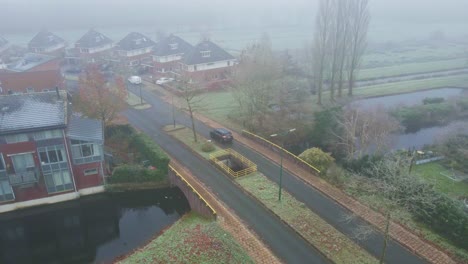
x: 205, y: 53
x: 52, y: 154
x: 56, y: 133
x: 85, y: 151
x: 2, y: 163
x: 58, y: 181
x: 6, y: 193
x: 23, y: 162
x: 10, y: 139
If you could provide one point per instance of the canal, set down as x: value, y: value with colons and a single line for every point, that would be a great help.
x: 93, y: 229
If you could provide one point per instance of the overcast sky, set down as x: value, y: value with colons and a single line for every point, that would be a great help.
x: 32, y: 15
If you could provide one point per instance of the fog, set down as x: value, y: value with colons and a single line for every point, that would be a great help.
x: 392, y: 20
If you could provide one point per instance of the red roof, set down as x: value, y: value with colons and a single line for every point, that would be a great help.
x: 40, y: 80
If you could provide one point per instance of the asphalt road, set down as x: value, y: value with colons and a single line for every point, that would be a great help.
x: 281, y: 240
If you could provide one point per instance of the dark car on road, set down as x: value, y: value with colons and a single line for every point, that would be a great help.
x: 221, y: 135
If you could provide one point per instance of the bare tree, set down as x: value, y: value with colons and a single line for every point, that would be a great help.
x: 320, y: 46
x: 394, y: 189
x: 192, y: 101
x: 365, y: 131
x: 359, y: 25
x: 255, y: 81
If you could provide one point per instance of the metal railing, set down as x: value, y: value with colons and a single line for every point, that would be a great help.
x: 193, y: 189
x: 24, y: 177
x: 282, y: 149
x: 251, y: 167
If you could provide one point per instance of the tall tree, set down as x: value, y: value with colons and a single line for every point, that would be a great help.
x: 192, y: 101
x: 98, y: 98
x: 359, y: 25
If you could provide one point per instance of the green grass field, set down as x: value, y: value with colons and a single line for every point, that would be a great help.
x: 430, y: 172
x: 192, y: 239
x: 412, y: 68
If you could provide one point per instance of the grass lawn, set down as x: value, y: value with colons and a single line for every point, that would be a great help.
x: 192, y: 239
x: 335, y: 245
x: 135, y: 101
x: 412, y: 68
x: 431, y: 172
x: 186, y: 136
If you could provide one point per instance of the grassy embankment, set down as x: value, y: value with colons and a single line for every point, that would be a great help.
x: 192, y: 239
x: 335, y: 245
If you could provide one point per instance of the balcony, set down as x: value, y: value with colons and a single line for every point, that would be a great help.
x: 24, y: 177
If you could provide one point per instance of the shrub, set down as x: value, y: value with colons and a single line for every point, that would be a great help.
x: 151, y: 151
x: 317, y: 158
x: 135, y: 173
x: 362, y: 165
x: 207, y: 147
x: 433, y: 100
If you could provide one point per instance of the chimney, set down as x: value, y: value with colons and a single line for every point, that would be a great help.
x: 57, y: 91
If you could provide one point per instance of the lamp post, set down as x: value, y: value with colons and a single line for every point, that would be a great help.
x: 281, y: 158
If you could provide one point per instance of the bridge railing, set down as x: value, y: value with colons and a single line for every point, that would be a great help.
x: 251, y: 167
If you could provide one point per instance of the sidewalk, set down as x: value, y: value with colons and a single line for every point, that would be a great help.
x: 400, y: 234
x: 230, y: 222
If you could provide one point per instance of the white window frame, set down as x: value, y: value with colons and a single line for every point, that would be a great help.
x: 88, y: 172
x: 205, y: 53
x: 57, y: 149
x: 16, y: 138
x: 48, y: 134
x: 3, y: 191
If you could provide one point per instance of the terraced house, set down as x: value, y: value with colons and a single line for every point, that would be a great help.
x: 46, y: 42
x: 47, y: 154
x: 134, y: 49
x: 169, y: 53
x: 93, y: 46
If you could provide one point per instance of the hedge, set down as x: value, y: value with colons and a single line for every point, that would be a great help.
x: 135, y: 173
x: 151, y: 151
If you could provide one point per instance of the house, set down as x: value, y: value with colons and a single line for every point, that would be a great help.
x: 32, y: 73
x: 91, y: 47
x: 207, y: 62
x: 47, y: 154
x: 134, y: 49
x: 46, y: 42
x: 168, y: 54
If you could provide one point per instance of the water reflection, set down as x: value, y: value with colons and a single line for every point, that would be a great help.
x: 90, y: 230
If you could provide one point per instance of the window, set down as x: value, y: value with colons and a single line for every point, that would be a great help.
x: 90, y: 172
x: 2, y: 163
x: 29, y: 90
x: 56, y: 133
x: 23, y: 162
x: 174, y: 46
x: 52, y: 154
x: 58, y: 181
x: 85, y: 152
x: 205, y: 53
x: 6, y: 192
x: 10, y: 139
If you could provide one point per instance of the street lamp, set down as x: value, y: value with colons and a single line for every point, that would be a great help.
x: 282, y: 134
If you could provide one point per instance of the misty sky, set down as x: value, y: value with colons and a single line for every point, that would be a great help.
x: 388, y: 16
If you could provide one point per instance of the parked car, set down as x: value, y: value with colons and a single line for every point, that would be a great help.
x: 134, y: 80
x: 164, y: 80
x: 221, y: 135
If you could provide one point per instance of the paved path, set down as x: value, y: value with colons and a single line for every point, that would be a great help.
x: 282, y: 240
x: 324, y: 206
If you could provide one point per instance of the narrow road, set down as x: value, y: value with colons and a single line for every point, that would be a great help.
x: 151, y: 121
x: 283, y: 241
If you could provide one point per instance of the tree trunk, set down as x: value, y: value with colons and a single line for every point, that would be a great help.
x: 193, y: 124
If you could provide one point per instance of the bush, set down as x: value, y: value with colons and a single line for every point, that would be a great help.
x: 207, y: 147
x: 433, y: 100
x: 317, y: 158
x: 151, y: 152
x: 362, y: 165
x: 135, y: 173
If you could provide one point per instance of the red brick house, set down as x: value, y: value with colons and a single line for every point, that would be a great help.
x: 134, y: 49
x: 45, y: 42
x: 90, y: 48
x: 207, y: 62
x: 47, y: 155
x: 168, y: 54
x: 32, y: 73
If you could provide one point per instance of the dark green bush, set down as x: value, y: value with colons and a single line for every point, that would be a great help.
x: 363, y: 165
x: 207, y: 147
x: 135, y: 173
x: 119, y: 131
x: 417, y: 117
x: 150, y: 151
x: 433, y: 100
